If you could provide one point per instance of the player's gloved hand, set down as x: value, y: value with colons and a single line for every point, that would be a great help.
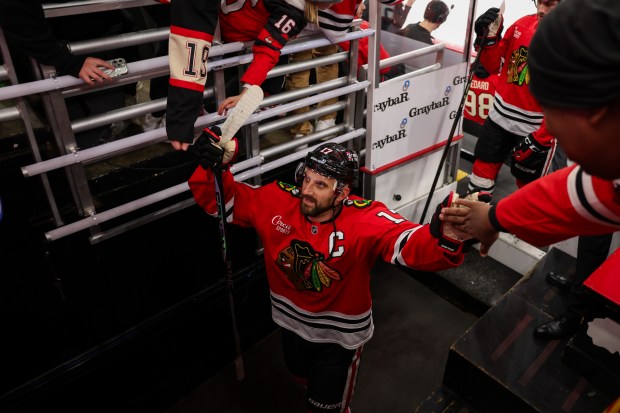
x: 448, y: 237
x: 210, y: 150
x: 527, y: 147
x: 528, y: 159
x: 488, y: 28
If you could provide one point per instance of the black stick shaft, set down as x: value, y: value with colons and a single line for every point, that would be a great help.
x: 221, y: 209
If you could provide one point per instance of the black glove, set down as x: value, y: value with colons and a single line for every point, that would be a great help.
x: 529, y: 158
x: 482, y: 23
x: 208, y: 150
x: 451, y: 242
x: 488, y: 28
x: 448, y: 237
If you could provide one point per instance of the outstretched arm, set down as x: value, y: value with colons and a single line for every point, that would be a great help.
x: 555, y: 207
x: 472, y: 217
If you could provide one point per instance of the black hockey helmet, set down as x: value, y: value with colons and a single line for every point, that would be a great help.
x: 436, y: 11
x: 333, y: 161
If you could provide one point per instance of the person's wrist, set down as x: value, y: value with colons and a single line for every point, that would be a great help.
x: 494, y: 221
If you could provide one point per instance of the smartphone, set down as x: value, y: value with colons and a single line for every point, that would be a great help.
x: 120, y: 67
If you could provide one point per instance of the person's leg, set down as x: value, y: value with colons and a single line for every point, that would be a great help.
x: 332, y: 376
x: 300, y: 80
x: 324, y: 74
x: 492, y: 148
x: 560, y: 160
x: 294, y: 356
x: 592, y: 251
x: 329, y: 372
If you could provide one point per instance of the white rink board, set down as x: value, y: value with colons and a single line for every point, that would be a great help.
x: 409, y: 116
x: 410, y: 181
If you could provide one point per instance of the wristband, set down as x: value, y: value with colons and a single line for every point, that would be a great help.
x: 493, y: 220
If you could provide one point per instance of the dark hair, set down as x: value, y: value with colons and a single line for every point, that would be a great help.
x: 334, y: 161
x: 436, y: 11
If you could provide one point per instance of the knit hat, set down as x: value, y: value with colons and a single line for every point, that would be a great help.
x: 574, y: 56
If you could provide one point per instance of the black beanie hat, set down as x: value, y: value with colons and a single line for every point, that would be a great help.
x: 574, y: 56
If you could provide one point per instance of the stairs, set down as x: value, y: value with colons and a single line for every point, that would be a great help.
x: 498, y: 366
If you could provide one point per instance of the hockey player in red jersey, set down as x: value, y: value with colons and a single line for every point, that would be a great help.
x: 320, y: 243
x: 515, y: 124
x: 583, y: 199
x: 269, y: 23
x: 479, y: 100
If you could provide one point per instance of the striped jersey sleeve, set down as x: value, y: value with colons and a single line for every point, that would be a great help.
x: 565, y: 204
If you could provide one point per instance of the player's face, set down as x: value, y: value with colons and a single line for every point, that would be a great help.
x: 589, y: 137
x: 544, y: 6
x: 318, y: 196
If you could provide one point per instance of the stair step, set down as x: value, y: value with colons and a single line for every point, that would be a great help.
x: 497, y: 365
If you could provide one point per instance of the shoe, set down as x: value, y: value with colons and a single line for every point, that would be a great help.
x: 131, y: 100
x: 118, y: 130
x: 560, y: 281
x: 472, y: 188
x: 324, y: 124
x: 151, y: 122
x: 558, y: 328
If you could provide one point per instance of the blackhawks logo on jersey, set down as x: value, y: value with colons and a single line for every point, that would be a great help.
x: 518, y: 72
x: 292, y: 189
x: 306, y: 268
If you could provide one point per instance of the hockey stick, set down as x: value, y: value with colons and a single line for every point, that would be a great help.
x: 457, y: 119
x: 248, y: 103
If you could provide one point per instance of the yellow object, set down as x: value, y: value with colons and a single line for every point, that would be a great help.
x: 461, y: 174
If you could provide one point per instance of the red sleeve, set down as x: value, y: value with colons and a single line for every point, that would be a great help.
x: 202, y: 185
x: 422, y: 252
x: 564, y: 204
x: 284, y: 23
x: 239, y: 197
x: 403, y: 242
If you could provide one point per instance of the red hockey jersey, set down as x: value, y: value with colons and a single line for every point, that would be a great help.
x: 514, y: 107
x: 319, y: 273
x: 562, y: 205
x: 480, y: 98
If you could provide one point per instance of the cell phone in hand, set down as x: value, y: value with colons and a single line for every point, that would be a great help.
x: 120, y: 67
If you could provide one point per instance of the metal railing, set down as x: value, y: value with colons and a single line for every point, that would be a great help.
x: 55, y: 89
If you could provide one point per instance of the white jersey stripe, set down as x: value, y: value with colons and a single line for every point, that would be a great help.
x: 584, y: 200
